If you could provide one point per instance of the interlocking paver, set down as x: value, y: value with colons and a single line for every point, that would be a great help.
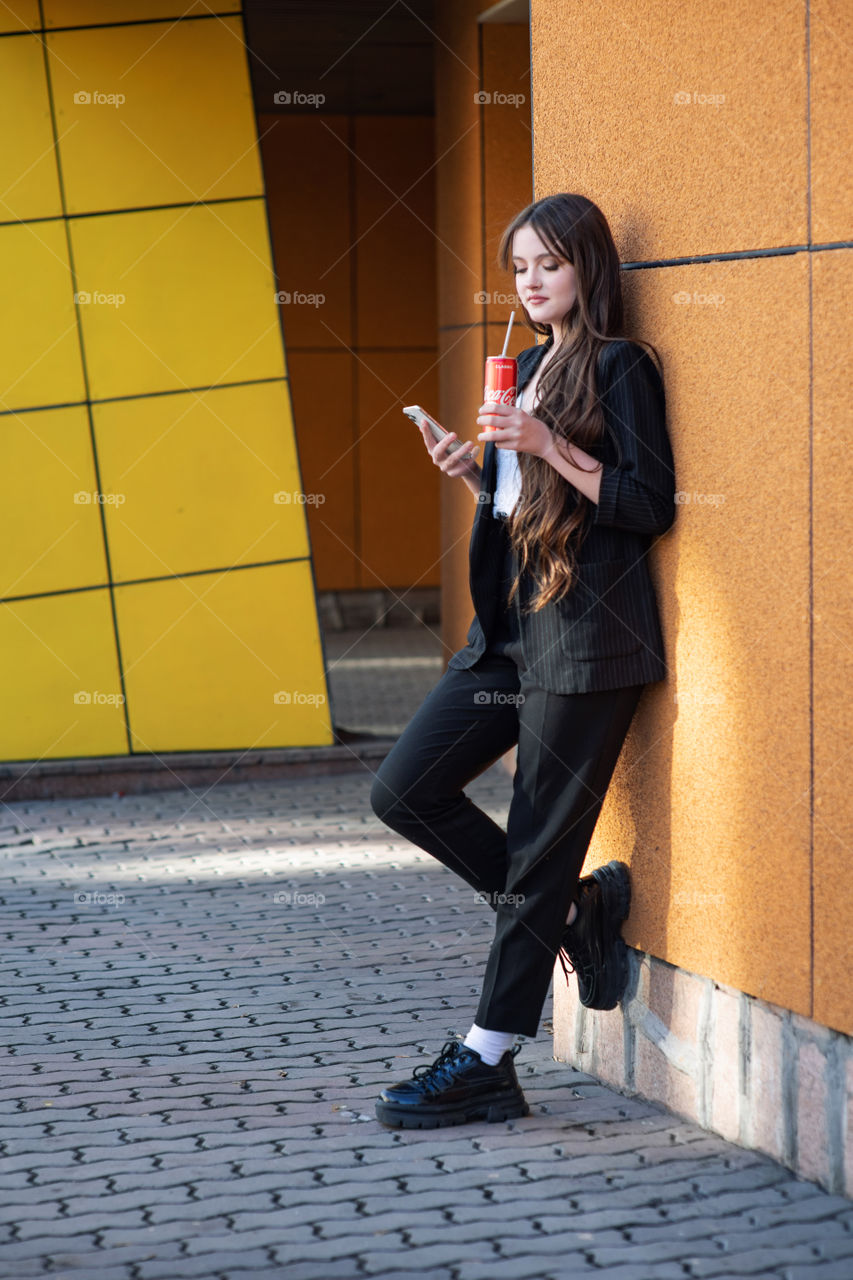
x: 188, y: 1076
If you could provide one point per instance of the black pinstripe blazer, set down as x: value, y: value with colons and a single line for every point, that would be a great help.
x: 605, y: 633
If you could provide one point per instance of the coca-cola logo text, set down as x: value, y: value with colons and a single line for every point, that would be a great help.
x: 495, y: 396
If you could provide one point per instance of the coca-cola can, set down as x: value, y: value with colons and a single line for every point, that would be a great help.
x: 501, y: 381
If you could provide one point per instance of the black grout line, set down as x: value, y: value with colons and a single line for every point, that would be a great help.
x: 84, y: 368
x: 130, y: 22
x: 141, y: 395
x: 287, y: 351
x: 165, y: 577
x: 119, y: 212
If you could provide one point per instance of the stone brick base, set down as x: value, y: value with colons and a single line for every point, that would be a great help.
x: 752, y: 1072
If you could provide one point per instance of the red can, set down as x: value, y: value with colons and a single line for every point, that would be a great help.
x: 501, y: 381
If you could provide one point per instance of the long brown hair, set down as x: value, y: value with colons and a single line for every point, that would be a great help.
x: 549, y: 521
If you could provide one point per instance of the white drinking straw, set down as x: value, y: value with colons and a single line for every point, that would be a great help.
x: 508, y: 332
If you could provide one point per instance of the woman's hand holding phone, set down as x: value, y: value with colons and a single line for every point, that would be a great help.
x: 452, y: 464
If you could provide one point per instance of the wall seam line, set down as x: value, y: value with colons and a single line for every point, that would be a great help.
x: 84, y: 370
x: 811, y: 521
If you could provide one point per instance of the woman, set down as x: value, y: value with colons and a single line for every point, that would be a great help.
x: 577, y: 482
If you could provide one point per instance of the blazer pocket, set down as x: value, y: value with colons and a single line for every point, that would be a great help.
x: 605, y: 613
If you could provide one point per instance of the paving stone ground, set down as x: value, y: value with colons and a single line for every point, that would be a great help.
x: 203, y: 992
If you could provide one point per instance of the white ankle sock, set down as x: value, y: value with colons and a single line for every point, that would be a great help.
x: 491, y: 1045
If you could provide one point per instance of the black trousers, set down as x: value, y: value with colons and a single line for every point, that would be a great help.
x: 568, y: 745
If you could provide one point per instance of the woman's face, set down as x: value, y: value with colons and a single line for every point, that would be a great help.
x: 545, y: 282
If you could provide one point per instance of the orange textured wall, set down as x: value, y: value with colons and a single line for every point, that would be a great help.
x: 701, y: 132
x: 339, y: 231
x: 484, y: 176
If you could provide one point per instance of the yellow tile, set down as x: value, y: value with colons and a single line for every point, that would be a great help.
x: 19, y: 15
x: 223, y: 661
x: 831, y: 51
x: 199, y: 300
x: 39, y: 342
x: 59, y: 13
x: 710, y: 800
x: 29, y: 184
x: 174, y: 121
x: 398, y: 482
x: 661, y: 116
x: 198, y: 478
x: 50, y: 515
x: 833, y: 640
x: 61, y: 690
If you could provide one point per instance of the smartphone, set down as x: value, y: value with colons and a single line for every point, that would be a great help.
x: 419, y: 415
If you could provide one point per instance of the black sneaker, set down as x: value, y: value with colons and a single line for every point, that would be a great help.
x: 592, y: 943
x: 459, y: 1086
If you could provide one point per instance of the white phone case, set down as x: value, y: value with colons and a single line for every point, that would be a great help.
x: 419, y: 415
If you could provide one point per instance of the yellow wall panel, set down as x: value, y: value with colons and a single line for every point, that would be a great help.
x: 710, y: 801
x: 199, y: 476
x: 145, y: 150
x: 61, y: 13
x: 627, y: 110
x: 50, y: 512
x: 61, y: 691
x: 831, y: 48
x: 29, y: 183
x: 833, y: 640
x: 323, y: 407
x: 205, y: 658
x: 306, y: 170
x: 19, y: 15
x: 199, y: 298
x: 39, y: 344
x: 399, y: 483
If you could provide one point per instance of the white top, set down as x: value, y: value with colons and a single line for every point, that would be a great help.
x: 508, y: 483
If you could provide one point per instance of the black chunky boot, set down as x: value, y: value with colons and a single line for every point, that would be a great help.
x: 592, y: 943
x: 459, y: 1086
